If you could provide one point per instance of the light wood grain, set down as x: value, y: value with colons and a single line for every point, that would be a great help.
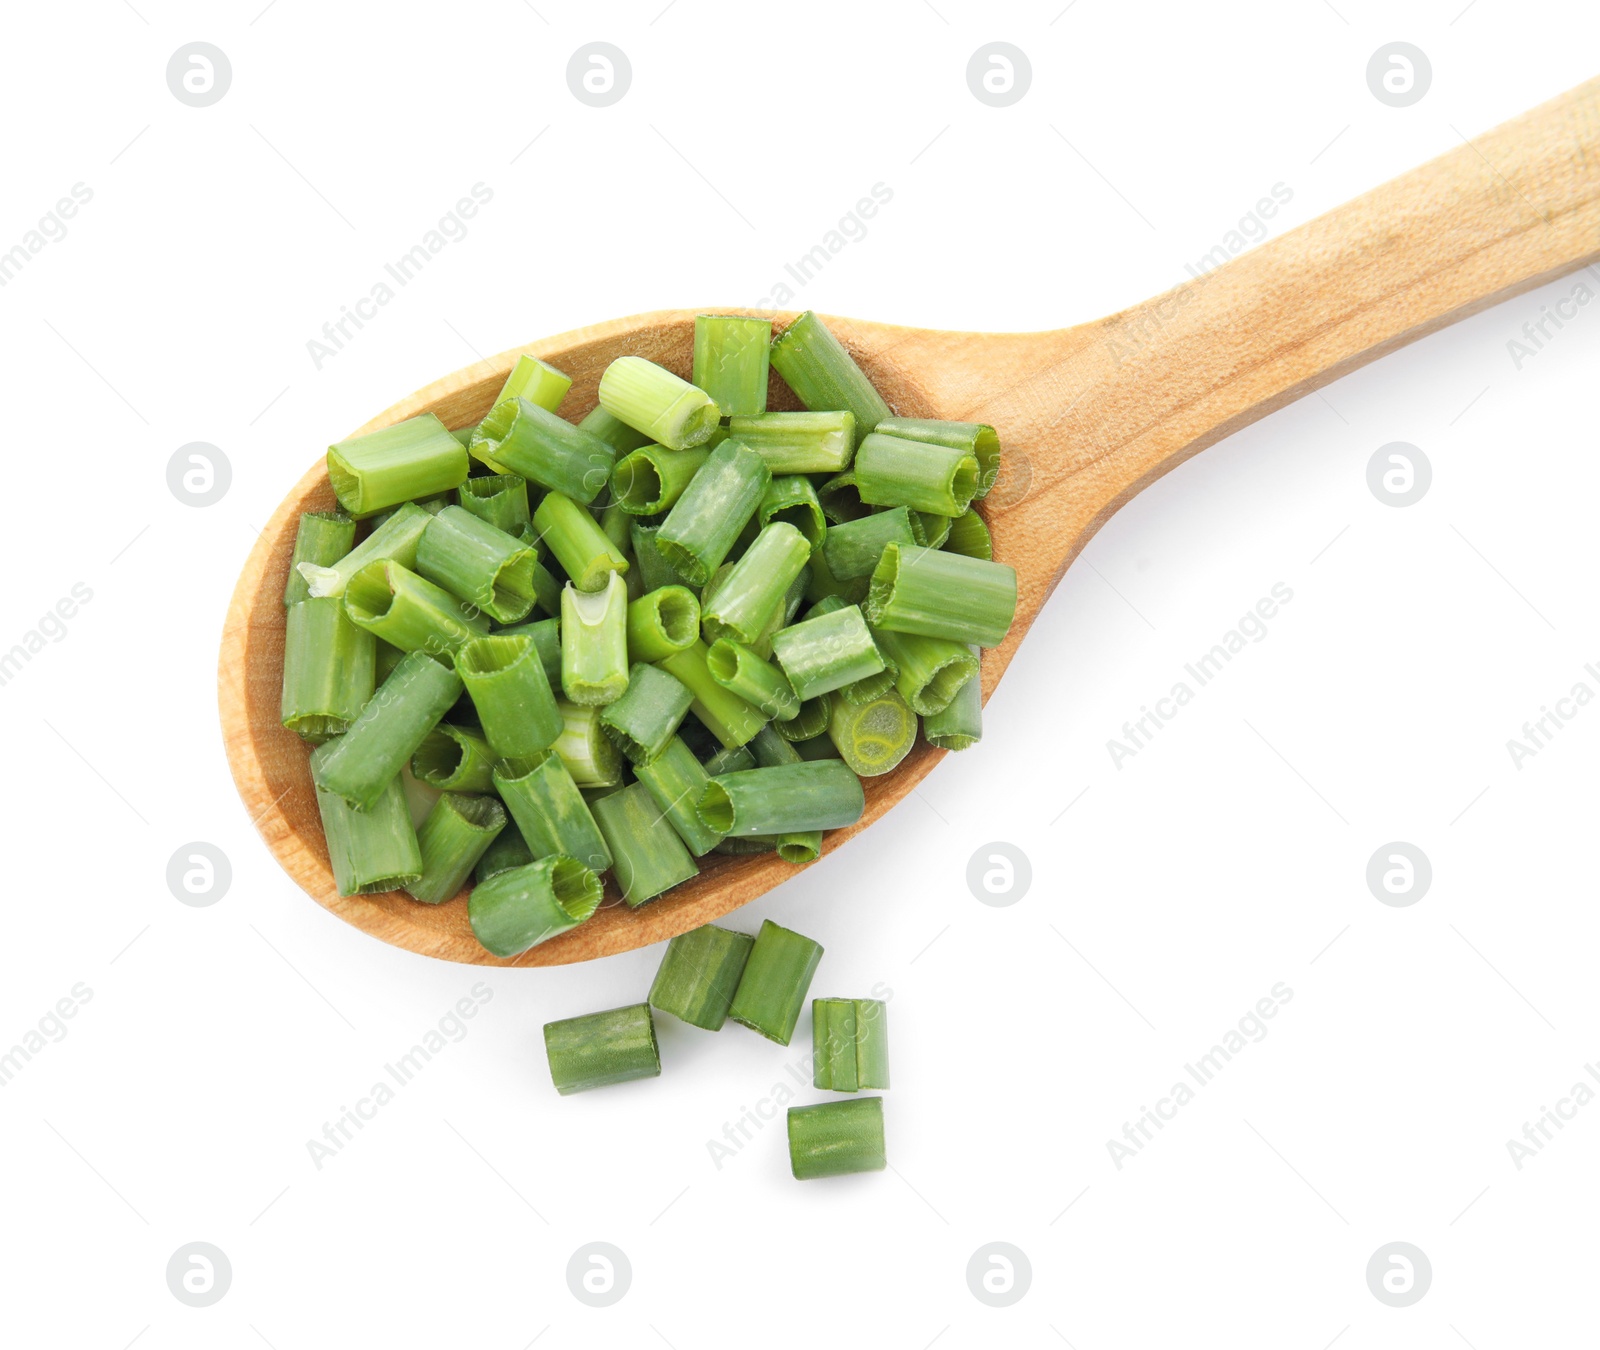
x: 1088, y: 416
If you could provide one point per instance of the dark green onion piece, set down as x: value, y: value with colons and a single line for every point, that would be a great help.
x: 507, y: 850
x: 960, y: 725
x: 374, y: 850
x: 454, y: 759
x: 810, y: 721
x: 455, y: 835
x: 321, y: 539
x: 395, y: 540
x: 759, y: 683
x: 651, y: 478
x: 616, y: 525
x: 602, y: 1048
x: 821, y: 583
x: 698, y: 975
x: 850, y: 1044
x: 522, y: 438
x: 536, y: 381
x: 661, y: 622
x: 799, y: 442
x: 854, y: 548
x: 648, y: 855
x: 654, y: 569
x: 594, y: 643
x: 546, y: 635
x: 647, y: 716
x: 874, y: 736
x: 730, y: 361
x: 550, y: 811
x: 800, y: 847
x: 506, y: 681
x: 823, y: 375
x: 577, y: 542
x: 725, y: 715
x: 328, y: 670
x: 938, y: 594
x: 834, y: 1139
x: 818, y: 747
x: 618, y: 435
x: 589, y: 754
x: 730, y: 759
x: 776, y: 976
x: 388, y: 658
x: 931, y: 670
x: 409, y: 611
x: 969, y: 536
x: 703, y: 524
x: 517, y: 910
x: 811, y: 795
x: 546, y: 589
x: 793, y: 500
x: 840, y: 499
x: 478, y: 563
x: 826, y: 653
x: 754, y: 588
x: 498, y: 499
x: 893, y: 472
x: 929, y: 530
x: 977, y: 439
x: 770, y: 749
x: 647, y: 396
x: 675, y: 779
x: 414, y: 458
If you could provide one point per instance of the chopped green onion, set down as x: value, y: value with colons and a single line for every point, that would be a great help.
x: 455, y: 835
x: 618, y: 435
x: 498, y: 499
x: 755, y: 843
x: 826, y: 653
x: 929, y: 530
x: 821, y: 583
x: 810, y: 721
x: 454, y: 759
x: 755, y: 587
x: 408, y: 705
x: 977, y: 439
x: 725, y: 715
x: 850, y: 1044
x: 577, y: 542
x: 589, y: 754
x: 549, y: 810
x: 893, y: 472
x: 616, y: 525
x: 730, y: 361
x: 932, y: 670
x: 651, y: 478
x: 328, y: 670
x: 772, y: 989
x: 393, y: 541
x: 537, y: 382
x: 704, y: 523
x: 414, y: 458
x: 699, y: 973
x: 793, y: 500
x: 938, y: 594
x: 516, y: 910
x: 409, y: 611
x: 800, y: 847
x: 834, y: 1139
x: 647, y: 716
x: 811, y: 795
x: 508, y: 849
x: 730, y: 759
x: 374, y: 850
x: 759, y: 683
x: 969, y: 536
x: 770, y: 749
x: 675, y: 779
x: 841, y: 500
x: 960, y: 725
x: 321, y: 539
x: 799, y: 442
x: 646, y: 851
x: 874, y: 736
x: 853, y: 548
x: 868, y: 687
x: 594, y: 643
x: 522, y: 438
x: 654, y: 569
x: 602, y: 1048
x: 478, y: 563
x: 818, y: 747
x: 464, y: 434
x: 661, y: 622
x: 388, y: 658
x: 653, y: 399
x: 546, y: 635
x: 783, y: 616
x: 432, y: 505
x: 815, y: 364
x: 506, y: 681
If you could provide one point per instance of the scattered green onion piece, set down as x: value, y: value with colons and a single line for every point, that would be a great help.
x: 602, y: 1048
x: 704, y: 523
x: 661, y: 622
x: 868, y: 687
x: 648, y: 855
x: 755, y: 587
x: 815, y: 364
x: 730, y: 759
x: 647, y: 716
x: 414, y: 458
x: 698, y: 974
x: 536, y: 381
x: 960, y: 725
x: 977, y: 439
x: 799, y: 442
x: 810, y: 721
x: 783, y: 616
x: 772, y: 989
x: 454, y: 759
x: 929, y: 530
x: 409, y: 611
x: 938, y: 594
x: 577, y: 542
x: 730, y: 361
x: 478, y: 563
x: 618, y: 435
x: 841, y: 500
x: 522, y: 438
x: 932, y: 670
x: 516, y: 910
x: 506, y: 681
x: 969, y: 536
x: 393, y: 541
x: 893, y: 472
x: 821, y: 583
x: 508, y: 849
x: 834, y: 1139
x: 674, y: 779
x: 770, y: 749
x: 852, y: 549
x: 811, y: 795
x: 826, y: 653
x: 594, y: 643
x: 321, y: 539
x: 374, y: 850
x: 759, y: 683
x: 498, y: 499
x: 725, y: 715
x: 793, y: 500
x: 651, y: 478
x: 591, y: 757
x: 874, y: 736
x: 455, y: 835
x: 654, y: 569
x: 328, y: 670
x: 800, y: 847
x: 654, y: 400
x: 549, y: 810
x: 546, y: 636
x: 850, y: 1044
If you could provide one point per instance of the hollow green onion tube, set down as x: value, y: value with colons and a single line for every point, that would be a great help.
x: 506, y: 850
x: 826, y: 653
x: 651, y: 478
x: 648, y: 855
x: 589, y: 754
x: 358, y: 765
x: 929, y: 530
x: 841, y: 501
x: 704, y: 523
x: 893, y: 472
x: 546, y: 637
x: 759, y: 683
x: 754, y: 588
x: 811, y: 795
x: 532, y: 442
x: 784, y: 615
x: 852, y: 549
x: 873, y: 736
x: 698, y: 975
x: 654, y: 569
x: 675, y: 779
x: 793, y: 500
x: 498, y: 499
x: 661, y: 622
x: 725, y: 715
x: 821, y: 583
x: 594, y: 643
x: 374, y: 850
x: 550, y: 811
x: 799, y: 847
x: 478, y: 563
x: 969, y: 536
x: 602, y: 1048
x: 577, y: 542
x: 799, y: 442
x: 834, y: 1139
x: 414, y: 458
x: 810, y: 721
x: 730, y: 361
x: 959, y: 726
x: 815, y: 364
x: 932, y: 670
x: 328, y: 670
x: 410, y: 612
x: 514, y: 911
x: 651, y: 398
x: 743, y: 848
x: 938, y: 594
x: 868, y: 687
x: 537, y: 381
x: 506, y: 681
x: 977, y: 439
x: 850, y: 1044
x: 454, y: 759
x: 321, y: 539
x: 618, y: 435
x: 457, y: 832
x: 395, y: 540
x: 647, y: 716
x: 772, y: 989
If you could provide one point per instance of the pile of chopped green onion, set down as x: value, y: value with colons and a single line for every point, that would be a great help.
x: 682, y: 625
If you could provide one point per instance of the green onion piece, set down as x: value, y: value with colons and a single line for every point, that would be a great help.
x: 977, y: 439
x: 852, y: 549
x: 938, y: 594
x: 704, y: 523
x: 616, y: 525
x: 874, y: 736
x: 811, y: 795
x: 534, y: 380
x: 478, y: 563
x: 932, y: 670
x: 793, y: 500
x: 577, y: 542
x: 969, y: 536
x: 455, y: 835
x: 464, y: 434
x: 618, y: 435
x: 799, y: 442
x: 654, y: 400
x: 754, y: 588
x: 661, y: 622
x: 675, y: 779
x: 810, y: 721
x: 730, y: 759
x: 725, y: 715
x: 414, y: 458
x: 454, y: 759
x: 508, y: 849
x: 522, y: 438
x: 826, y: 653
x: 546, y: 636
x: 893, y: 472
x: 841, y: 501
x: 546, y: 589
x: 589, y: 754
x: 759, y: 683
x: 755, y: 843
x: 328, y: 670
x: 321, y: 539
x: 651, y: 478
x: 408, y: 705
x: 409, y: 611
x: 388, y: 658
x: 960, y: 725
x: 783, y: 616
x: 506, y: 681
x: 818, y: 747
x: 821, y: 583
x: 776, y: 976
x: 868, y: 687
x: 800, y: 847
x: 602, y: 1048
x: 549, y: 810
x: 929, y: 530
x: 374, y: 850
x: 646, y: 851
x: 432, y: 505
x: 395, y: 540
x: 850, y: 1044
x: 815, y: 364
x: 654, y: 569
x: 498, y: 499
x: 516, y: 910
x: 594, y: 643
x: 730, y: 361
x: 770, y: 749
x: 834, y: 1139
x: 699, y: 973
x: 647, y: 716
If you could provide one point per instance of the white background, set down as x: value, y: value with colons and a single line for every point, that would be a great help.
x: 1175, y: 891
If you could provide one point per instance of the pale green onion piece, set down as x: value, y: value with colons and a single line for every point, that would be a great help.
x: 868, y: 687
x: 852, y: 549
x: 872, y: 737
x: 409, y: 611
x: 730, y: 361
x: 840, y: 500
x: 522, y: 438
x: 536, y: 381
x: 546, y: 636
x: 850, y: 1044
x: 822, y: 373
x: 759, y: 683
x: 506, y: 681
x: 960, y: 725
x: 799, y: 442
x: 810, y: 721
x: 931, y: 670
x: 929, y: 530
x: 478, y: 563
x: 836, y: 1139
x: 550, y: 811
x: 793, y: 500
x: 826, y: 653
x: 414, y: 458
x: 725, y: 715
x: 454, y: 759
x: 654, y: 400
x: 698, y: 975
x: 374, y: 850
x: 661, y: 622
x: 969, y: 536
x: 893, y: 472
x: 754, y: 588
x: 328, y: 670
x: 938, y: 594
x: 577, y: 542
x: 811, y: 795
x: 498, y: 499
x: 455, y: 835
x: 650, y: 479
x: 977, y: 439
x: 648, y: 855
x: 591, y: 757
x: 599, y: 1049
x: 393, y: 541
x: 516, y: 910
x: 704, y: 523
x: 321, y: 539
x: 618, y: 435
x: 772, y: 989
x: 647, y: 716
x: 675, y: 779
x: 594, y: 643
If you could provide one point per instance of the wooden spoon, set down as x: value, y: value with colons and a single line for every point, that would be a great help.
x: 1087, y: 416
